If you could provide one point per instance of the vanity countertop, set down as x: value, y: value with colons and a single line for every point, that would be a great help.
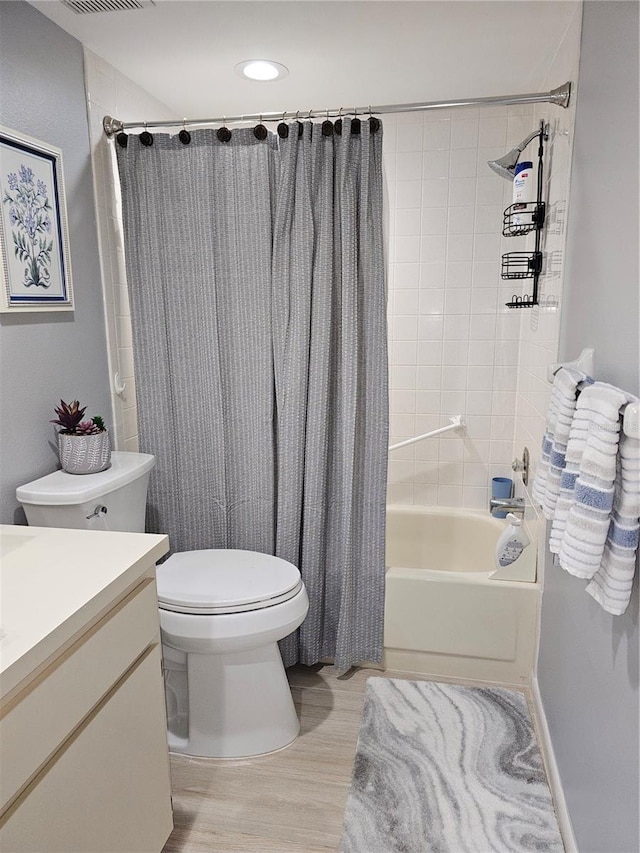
x: 54, y: 582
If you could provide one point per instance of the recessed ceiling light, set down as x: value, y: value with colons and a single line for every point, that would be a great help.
x: 261, y: 69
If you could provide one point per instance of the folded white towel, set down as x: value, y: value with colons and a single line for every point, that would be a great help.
x: 611, y: 585
x: 562, y: 404
x: 576, y: 438
x: 595, y: 436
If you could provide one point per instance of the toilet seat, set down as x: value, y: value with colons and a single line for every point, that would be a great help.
x: 218, y: 581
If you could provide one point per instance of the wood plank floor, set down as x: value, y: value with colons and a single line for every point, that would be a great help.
x: 291, y: 801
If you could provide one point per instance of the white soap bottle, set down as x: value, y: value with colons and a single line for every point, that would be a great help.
x: 512, y: 542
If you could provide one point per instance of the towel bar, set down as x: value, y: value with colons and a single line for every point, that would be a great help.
x: 631, y: 420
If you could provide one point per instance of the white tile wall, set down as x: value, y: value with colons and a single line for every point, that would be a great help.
x: 540, y: 327
x: 111, y: 93
x: 453, y: 344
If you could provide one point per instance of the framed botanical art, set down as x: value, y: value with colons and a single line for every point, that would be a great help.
x: 35, y: 271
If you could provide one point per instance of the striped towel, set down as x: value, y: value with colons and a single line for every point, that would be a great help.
x: 562, y: 405
x: 611, y: 585
x: 593, y: 447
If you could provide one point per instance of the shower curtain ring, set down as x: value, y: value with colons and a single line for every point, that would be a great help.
x: 184, y: 136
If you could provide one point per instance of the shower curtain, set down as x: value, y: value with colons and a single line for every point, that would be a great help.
x: 258, y: 306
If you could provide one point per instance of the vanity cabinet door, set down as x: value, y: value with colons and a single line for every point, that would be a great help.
x: 106, y: 790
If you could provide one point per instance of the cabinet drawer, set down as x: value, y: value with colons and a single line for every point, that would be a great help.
x: 108, y: 789
x: 45, y: 713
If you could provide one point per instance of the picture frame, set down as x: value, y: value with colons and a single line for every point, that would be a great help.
x: 35, y: 267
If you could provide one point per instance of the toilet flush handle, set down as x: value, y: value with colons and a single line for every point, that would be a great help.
x: 99, y: 512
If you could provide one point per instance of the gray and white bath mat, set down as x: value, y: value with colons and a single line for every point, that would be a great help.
x: 441, y: 768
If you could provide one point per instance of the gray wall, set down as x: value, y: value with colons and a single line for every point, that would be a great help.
x: 46, y: 357
x: 588, y: 666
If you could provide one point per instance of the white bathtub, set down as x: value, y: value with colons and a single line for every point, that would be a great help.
x: 445, y: 614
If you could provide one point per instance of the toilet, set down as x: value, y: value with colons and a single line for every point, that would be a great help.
x: 222, y: 612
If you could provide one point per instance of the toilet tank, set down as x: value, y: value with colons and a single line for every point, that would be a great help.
x: 114, y: 499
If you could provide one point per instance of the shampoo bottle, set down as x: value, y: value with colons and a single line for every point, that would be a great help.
x: 522, y: 189
x: 511, y: 543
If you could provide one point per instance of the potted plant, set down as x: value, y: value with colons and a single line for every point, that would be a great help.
x: 83, y: 446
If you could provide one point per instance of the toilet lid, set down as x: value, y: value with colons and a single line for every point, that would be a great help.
x: 224, y: 581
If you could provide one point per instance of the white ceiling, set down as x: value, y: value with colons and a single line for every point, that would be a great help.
x: 338, y: 53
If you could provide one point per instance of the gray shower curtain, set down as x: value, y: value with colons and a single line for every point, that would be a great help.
x: 258, y: 307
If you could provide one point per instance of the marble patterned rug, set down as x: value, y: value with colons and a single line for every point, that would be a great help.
x: 441, y: 768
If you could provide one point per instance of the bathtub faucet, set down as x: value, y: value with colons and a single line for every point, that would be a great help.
x: 507, y: 505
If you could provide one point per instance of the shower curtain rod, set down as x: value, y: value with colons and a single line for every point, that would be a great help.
x: 559, y: 96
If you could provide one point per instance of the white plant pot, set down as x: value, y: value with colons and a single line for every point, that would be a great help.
x: 84, y: 454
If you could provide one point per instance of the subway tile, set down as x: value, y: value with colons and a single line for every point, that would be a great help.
x: 404, y: 352
x: 482, y: 327
x: 476, y: 450
x: 457, y: 301
x: 425, y: 495
x: 479, y: 428
x: 407, y: 222
x: 430, y: 327
x: 451, y: 450
x: 481, y: 352
x: 427, y: 403
x: 464, y: 163
x: 461, y: 220
x: 455, y: 352
x: 490, y: 190
x: 426, y: 471
x: 460, y: 247
x: 433, y: 248
x: 480, y: 377
x: 459, y: 273
x: 406, y: 275
x: 432, y: 301
x: 502, y: 427
x: 478, y: 403
x: 400, y: 424
x: 407, y: 249
x: 402, y: 402
x: 437, y: 134
x: 430, y: 352
x: 435, y: 164
x: 409, y: 137
x: 503, y: 402
x: 400, y: 493
x: 475, y: 474
x: 501, y: 452
x: 456, y: 327
x: 462, y: 191
x: 486, y: 247
x: 475, y: 497
x: 434, y: 220
x: 488, y: 219
x: 428, y: 378
x: 435, y: 192
x: 452, y: 403
x: 493, y: 132
x: 484, y: 300
x: 409, y: 166
x: 432, y: 274
x: 401, y: 471
x: 486, y: 273
x: 427, y: 451
x: 405, y: 328
x: 450, y: 496
x: 405, y: 301
x: 408, y: 193
x: 464, y: 133
x: 403, y: 377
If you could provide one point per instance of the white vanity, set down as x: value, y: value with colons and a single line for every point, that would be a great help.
x: 84, y: 765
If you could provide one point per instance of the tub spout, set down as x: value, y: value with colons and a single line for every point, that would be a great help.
x: 507, y: 505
